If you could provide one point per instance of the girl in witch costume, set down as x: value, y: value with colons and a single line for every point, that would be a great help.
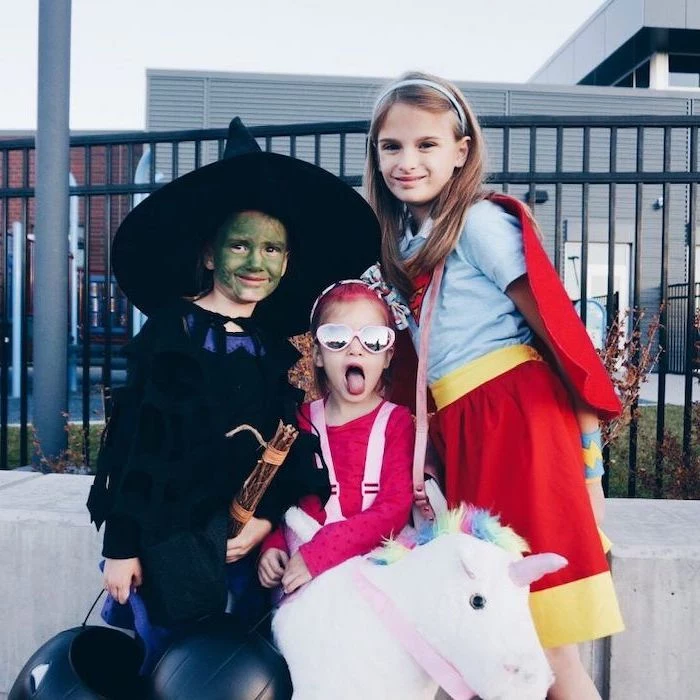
x: 371, y: 492
x: 203, y: 257
x: 516, y: 381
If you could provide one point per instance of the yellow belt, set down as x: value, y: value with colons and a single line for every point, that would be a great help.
x: 464, y: 379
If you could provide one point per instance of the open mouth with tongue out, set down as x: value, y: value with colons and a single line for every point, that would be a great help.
x: 355, y: 379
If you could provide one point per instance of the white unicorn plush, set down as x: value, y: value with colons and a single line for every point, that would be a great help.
x: 446, y: 607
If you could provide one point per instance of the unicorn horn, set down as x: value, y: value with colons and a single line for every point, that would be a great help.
x: 530, y: 569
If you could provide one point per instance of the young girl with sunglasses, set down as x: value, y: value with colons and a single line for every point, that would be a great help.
x: 371, y: 487
x: 517, y: 435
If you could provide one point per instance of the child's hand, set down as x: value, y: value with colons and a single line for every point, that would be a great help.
x: 296, y: 574
x: 422, y: 502
x: 121, y: 576
x: 252, y: 534
x: 271, y: 567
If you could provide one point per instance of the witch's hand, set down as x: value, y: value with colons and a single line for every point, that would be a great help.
x: 252, y: 534
x: 271, y: 567
x: 121, y: 576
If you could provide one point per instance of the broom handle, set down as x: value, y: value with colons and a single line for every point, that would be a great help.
x: 275, y: 453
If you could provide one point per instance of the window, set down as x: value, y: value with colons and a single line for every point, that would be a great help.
x: 637, y: 78
x: 684, y: 71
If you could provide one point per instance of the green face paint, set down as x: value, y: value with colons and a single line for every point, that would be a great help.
x: 249, y: 257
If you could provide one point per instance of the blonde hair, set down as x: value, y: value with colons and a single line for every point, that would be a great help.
x: 450, y: 208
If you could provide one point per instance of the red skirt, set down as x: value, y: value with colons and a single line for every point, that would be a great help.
x: 512, y: 445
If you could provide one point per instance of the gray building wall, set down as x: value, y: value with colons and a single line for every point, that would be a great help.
x: 194, y: 100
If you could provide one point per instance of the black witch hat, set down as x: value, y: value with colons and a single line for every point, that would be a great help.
x: 332, y: 232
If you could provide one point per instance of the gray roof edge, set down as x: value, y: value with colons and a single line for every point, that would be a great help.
x: 262, y: 77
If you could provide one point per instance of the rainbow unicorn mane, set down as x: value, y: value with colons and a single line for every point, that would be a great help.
x: 467, y: 520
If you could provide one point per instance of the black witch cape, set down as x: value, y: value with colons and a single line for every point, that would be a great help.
x: 165, y: 464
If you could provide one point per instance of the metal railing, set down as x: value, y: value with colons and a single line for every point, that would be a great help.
x: 679, y: 354
x: 592, y: 181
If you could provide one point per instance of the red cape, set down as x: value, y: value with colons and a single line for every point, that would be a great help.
x: 566, y: 332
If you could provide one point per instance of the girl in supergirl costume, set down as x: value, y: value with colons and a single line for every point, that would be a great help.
x: 366, y: 441
x: 203, y: 257
x: 517, y: 383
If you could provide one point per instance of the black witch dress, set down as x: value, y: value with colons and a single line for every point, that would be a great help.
x: 165, y: 466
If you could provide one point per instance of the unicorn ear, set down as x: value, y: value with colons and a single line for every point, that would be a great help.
x: 529, y: 569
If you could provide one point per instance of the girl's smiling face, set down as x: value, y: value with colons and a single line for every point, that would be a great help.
x: 418, y: 153
x: 353, y: 374
x: 249, y: 257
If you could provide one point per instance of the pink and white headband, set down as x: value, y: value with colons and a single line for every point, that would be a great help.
x: 434, y: 86
x: 372, y: 278
x: 338, y: 284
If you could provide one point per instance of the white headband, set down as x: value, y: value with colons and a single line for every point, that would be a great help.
x: 431, y: 84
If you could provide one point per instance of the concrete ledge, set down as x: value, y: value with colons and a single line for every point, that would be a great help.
x: 10, y: 479
x: 656, y: 565
x: 49, y: 579
x: 49, y: 576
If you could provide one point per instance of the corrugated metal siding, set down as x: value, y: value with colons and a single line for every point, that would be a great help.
x: 211, y: 100
x: 176, y: 103
x: 288, y: 101
x: 485, y: 102
x: 280, y: 100
x: 580, y: 101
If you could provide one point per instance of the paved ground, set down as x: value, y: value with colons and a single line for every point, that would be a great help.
x: 75, y: 399
x: 675, y: 390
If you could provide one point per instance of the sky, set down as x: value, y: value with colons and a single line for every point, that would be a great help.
x: 113, y: 43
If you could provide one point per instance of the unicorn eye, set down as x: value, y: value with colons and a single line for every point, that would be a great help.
x: 478, y: 602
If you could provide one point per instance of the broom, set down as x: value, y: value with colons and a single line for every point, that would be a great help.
x: 246, y: 501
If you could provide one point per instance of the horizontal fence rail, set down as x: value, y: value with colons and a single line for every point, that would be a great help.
x: 615, y: 197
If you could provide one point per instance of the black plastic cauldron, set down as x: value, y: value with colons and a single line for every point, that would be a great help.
x: 83, y: 663
x: 218, y: 661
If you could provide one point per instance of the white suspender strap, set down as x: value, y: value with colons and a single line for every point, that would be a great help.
x: 375, y: 455
x: 373, y: 459
x: 318, y: 421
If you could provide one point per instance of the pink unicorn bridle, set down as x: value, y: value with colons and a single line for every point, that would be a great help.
x: 413, y: 642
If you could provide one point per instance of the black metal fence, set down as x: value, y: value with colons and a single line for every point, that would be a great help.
x: 621, y: 192
x: 679, y: 355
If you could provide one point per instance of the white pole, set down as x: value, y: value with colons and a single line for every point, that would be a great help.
x: 142, y: 176
x: 17, y: 240
x: 73, y: 251
x: 73, y: 274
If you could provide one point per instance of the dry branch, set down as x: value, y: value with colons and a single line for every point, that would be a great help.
x: 628, y: 358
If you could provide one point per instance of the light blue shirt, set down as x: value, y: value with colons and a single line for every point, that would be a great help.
x: 473, y: 316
